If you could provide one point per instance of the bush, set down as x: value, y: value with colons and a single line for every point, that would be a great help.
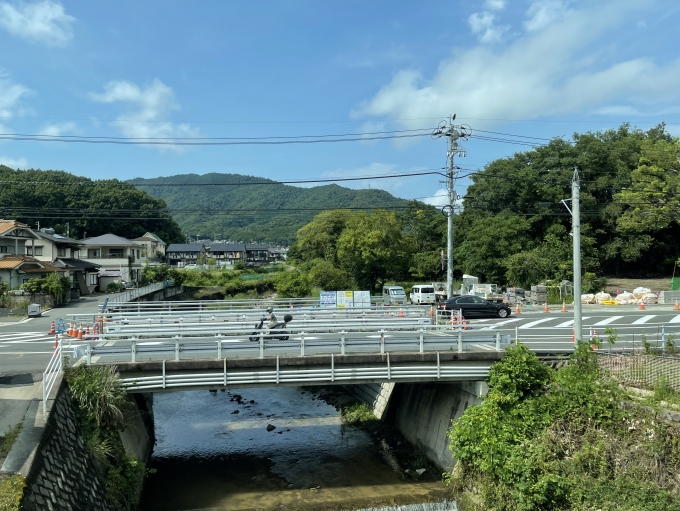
x: 293, y: 284
x: 11, y: 492
x: 114, y: 287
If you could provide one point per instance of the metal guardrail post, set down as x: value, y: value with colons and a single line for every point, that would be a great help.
x: 663, y: 337
x: 342, y: 342
x: 163, y: 373
x: 332, y: 367
x: 382, y: 341
x: 422, y: 343
x: 219, y: 346
x: 460, y: 342
x: 439, y: 367
x: 516, y: 336
x: 498, y: 341
x: 302, y: 344
x: 88, y: 351
x: 277, y: 369
x: 261, y: 344
x: 389, y: 369
x: 133, y: 349
x: 225, y: 372
x: 176, y: 347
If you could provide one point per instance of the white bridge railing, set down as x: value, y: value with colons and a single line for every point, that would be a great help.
x: 51, y: 373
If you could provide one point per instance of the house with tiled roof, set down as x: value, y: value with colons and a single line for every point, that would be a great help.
x: 114, y: 253
x: 14, y: 237
x: 183, y: 254
x: 18, y: 269
x: 154, y: 247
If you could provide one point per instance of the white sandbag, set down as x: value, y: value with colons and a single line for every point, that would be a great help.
x: 625, y: 298
x: 639, y: 292
x: 589, y: 298
x: 650, y: 298
x: 602, y: 297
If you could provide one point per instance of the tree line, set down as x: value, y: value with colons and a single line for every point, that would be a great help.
x: 513, y: 229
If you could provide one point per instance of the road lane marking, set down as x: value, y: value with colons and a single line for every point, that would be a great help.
x: 676, y: 319
x: 607, y: 321
x: 534, y: 323
x: 643, y: 319
x: 570, y: 322
x: 21, y: 334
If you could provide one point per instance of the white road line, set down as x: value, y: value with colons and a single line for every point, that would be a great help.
x: 607, y: 321
x: 534, y: 323
x: 487, y: 347
x: 643, y: 319
x: 21, y: 334
x: 570, y: 322
x: 676, y: 319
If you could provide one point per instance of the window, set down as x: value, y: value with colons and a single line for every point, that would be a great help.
x: 116, y: 252
x: 465, y: 299
x: 479, y: 300
x: 93, y: 279
x: 38, y: 251
x: 3, y: 250
x: 61, y: 252
x: 93, y: 252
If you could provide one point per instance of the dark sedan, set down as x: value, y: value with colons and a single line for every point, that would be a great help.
x: 475, y: 307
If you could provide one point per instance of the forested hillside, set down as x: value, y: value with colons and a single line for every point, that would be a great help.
x: 54, y: 197
x: 221, y: 206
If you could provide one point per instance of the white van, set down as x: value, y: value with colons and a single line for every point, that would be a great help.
x: 423, y: 293
x: 394, y: 295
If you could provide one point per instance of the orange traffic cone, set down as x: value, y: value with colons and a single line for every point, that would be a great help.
x: 677, y: 307
x: 69, y: 332
x: 594, y: 333
x: 52, y: 330
x: 401, y: 313
x: 564, y: 307
x: 80, y: 331
x: 464, y: 322
x: 56, y: 342
x: 517, y: 311
x: 87, y: 329
x: 545, y: 309
x: 642, y: 305
x: 572, y: 335
x: 432, y: 310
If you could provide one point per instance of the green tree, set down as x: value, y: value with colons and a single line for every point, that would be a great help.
x: 325, y: 276
x: 293, y: 284
x: 318, y: 239
x: 371, y: 248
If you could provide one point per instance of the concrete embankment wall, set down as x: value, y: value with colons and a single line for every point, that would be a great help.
x: 161, y: 294
x: 422, y: 412
x: 51, y: 453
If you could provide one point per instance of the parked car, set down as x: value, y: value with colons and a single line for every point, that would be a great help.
x: 126, y: 285
x: 423, y: 293
x: 475, y: 307
x: 394, y: 295
x: 190, y: 266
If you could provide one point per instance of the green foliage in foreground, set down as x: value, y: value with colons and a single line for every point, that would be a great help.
x: 11, y: 492
x: 100, y: 404
x: 544, y: 440
x: 7, y: 440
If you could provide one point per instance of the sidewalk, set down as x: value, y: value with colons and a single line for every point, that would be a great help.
x: 16, y: 393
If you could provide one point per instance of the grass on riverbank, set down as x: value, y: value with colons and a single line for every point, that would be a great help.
x: 8, y: 439
x: 11, y: 487
x: 548, y: 440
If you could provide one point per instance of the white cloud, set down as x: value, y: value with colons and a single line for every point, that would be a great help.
x: 152, y: 104
x: 482, y: 24
x: 495, y: 5
x: 45, y: 21
x: 10, y: 94
x: 21, y: 163
x: 55, y: 130
x: 374, y: 169
x: 439, y: 198
x: 543, y: 13
x: 541, y: 73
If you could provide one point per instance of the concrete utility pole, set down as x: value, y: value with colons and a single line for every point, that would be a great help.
x: 576, y: 231
x: 454, y: 133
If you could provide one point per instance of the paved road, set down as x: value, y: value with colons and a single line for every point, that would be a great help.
x: 26, y: 347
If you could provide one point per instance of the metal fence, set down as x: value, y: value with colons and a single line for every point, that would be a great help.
x: 642, y: 370
x: 51, y: 373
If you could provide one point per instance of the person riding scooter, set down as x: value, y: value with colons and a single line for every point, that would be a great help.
x: 272, y: 318
x: 279, y: 333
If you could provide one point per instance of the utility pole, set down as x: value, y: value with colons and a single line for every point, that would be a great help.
x: 576, y: 234
x: 453, y: 132
x: 576, y: 228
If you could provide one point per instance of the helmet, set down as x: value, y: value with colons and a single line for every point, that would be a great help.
x: 270, y: 309
x: 287, y: 318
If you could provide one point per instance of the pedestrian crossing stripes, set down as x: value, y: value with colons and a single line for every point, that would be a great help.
x: 534, y: 323
x: 643, y: 319
x: 676, y: 319
x: 570, y: 322
x: 607, y: 321
x: 24, y: 337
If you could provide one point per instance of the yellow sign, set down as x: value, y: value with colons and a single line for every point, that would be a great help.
x: 610, y: 302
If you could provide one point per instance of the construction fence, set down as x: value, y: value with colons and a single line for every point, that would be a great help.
x: 642, y: 370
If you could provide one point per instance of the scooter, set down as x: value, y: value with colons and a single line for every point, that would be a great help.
x: 276, y: 332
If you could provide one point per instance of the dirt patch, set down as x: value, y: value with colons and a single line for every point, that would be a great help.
x: 629, y: 284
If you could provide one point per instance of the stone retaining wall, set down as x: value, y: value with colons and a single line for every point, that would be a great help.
x: 63, y: 475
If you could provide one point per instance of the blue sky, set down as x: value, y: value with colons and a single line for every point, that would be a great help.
x: 540, y: 68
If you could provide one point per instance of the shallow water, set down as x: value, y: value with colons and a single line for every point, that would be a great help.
x: 209, y: 458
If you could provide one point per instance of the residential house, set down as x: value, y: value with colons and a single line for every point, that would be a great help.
x: 278, y: 254
x: 153, y: 246
x: 63, y: 252
x: 226, y: 254
x: 257, y: 255
x: 182, y: 254
x: 114, y: 254
x: 18, y: 269
x: 13, y: 237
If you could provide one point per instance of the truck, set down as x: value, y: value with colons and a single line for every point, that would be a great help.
x: 440, y: 291
x: 490, y: 292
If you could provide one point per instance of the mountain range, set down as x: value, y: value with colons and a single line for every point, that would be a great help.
x: 229, y: 206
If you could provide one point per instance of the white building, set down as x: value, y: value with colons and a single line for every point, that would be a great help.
x: 114, y: 253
